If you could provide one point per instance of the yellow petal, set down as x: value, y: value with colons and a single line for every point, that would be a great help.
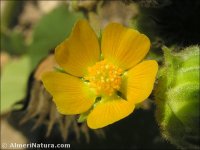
x: 79, y: 51
x: 123, y: 46
x: 138, y: 83
x: 70, y: 94
x: 108, y: 111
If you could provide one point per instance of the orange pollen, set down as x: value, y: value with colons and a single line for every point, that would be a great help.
x: 104, y: 78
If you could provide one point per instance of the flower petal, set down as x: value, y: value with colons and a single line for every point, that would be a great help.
x: 138, y: 83
x: 79, y: 51
x: 123, y: 46
x: 71, y: 95
x: 108, y: 111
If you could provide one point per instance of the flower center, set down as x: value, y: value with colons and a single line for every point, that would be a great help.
x: 104, y: 78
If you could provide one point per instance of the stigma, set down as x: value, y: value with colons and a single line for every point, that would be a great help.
x: 104, y: 78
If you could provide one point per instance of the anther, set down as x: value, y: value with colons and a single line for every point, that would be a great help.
x: 104, y: 78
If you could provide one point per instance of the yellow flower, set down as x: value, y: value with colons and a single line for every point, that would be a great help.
x: 104, y: 80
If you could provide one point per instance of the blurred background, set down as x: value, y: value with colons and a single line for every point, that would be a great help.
x: 30, y: 30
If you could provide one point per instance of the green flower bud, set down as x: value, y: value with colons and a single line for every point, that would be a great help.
x: 177, y: 97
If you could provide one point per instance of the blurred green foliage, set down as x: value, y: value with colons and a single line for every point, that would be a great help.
x: 13, y: 42
x: 12, y: 9
x: 13, y: 81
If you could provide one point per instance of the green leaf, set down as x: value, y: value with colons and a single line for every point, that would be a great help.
x: 51, y: 30
x: 13, y: 82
